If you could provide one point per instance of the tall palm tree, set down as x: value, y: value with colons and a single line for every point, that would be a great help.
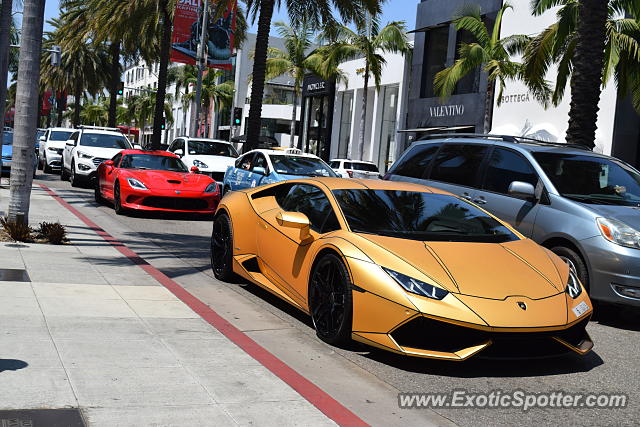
x: 489, y: 52
x: 26, y: 115
x: 557, y: 44
x: 218, y: 96
x: 183, y: 77
x: 296, y: 60
x: 316, y: 12
x: 370, y: 42
x: 6, y: 23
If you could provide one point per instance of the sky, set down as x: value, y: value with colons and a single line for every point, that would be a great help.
x: 394, y: 10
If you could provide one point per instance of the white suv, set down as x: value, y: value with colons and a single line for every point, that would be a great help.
x: 87, y: 148
x: 51, y: 147
x: 355, y: 169
x: 211, y: 156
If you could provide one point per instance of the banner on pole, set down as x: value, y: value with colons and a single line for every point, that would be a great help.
x: 187, y: 30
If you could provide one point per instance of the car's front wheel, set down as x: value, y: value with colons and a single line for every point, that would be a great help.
x: 73, y: 176
x: 97, y: 194
x: 330, y: 300
x: 222, y: 248
x: 117, y: 201
x: 575, y: 262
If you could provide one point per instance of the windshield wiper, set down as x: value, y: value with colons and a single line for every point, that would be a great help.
x: 595, y: 200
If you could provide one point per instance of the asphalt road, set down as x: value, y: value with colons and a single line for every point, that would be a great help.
x: 611, y: 368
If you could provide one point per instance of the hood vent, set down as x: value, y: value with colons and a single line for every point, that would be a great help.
x: 174, y: 181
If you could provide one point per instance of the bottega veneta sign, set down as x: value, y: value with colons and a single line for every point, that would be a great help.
x: 521, y: 97
x: 447, y: 110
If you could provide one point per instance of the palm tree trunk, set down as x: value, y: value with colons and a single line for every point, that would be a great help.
x: 60, y: 106
x: 363, y: 115
x: 165, y: 46
x: 115, y: 80
x: 488, y: 107
x: 259, y: 70
x: 77, y: 93
x: 294, y: 118
x: 27, y: 95
x: 5, y: 25
x: 586, y: 80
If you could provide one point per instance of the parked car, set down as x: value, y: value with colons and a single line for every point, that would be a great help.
x: 7, y: 155
x: 346, y: 168
x: 52, y: 145
x: 261, y: 167
x: 581, y: 205
x: 211, y: 156
x: 154, y: 181
x: 403, y: 267
x: 86, y: 148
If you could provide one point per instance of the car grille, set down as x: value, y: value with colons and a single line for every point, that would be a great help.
x: 428, y: 334
x: 97, y: 160
x: 176, y: 203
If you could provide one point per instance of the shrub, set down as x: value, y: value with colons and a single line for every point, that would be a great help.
x: 18, y: 231
x: 54, y: 232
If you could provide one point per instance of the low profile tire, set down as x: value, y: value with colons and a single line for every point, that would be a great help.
x: 222, y: 248
x: 45, y: 167
x: 117, y: 202
x: 575, y: 263
x: 331, y: 300
x: 97, y: 195
x: 40, y: 163
x: 73, y: 176
x: 64, y: 176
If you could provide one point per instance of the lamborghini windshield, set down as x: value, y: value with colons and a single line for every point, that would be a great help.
x: 421, y: 216
x: 152, y: 162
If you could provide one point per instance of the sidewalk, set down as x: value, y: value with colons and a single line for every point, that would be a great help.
x: 92, y: 330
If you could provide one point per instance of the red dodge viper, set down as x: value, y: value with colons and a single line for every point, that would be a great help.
x: 154, y: 181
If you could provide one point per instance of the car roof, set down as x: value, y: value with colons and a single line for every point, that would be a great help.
x: 362, y: 184
x: 352, y: 161
x: 282, y: 153
x: 205, y: 140
x: 62, y: 129
x: 154, y: 153
x: 530, y: 146
x: 102, y: 132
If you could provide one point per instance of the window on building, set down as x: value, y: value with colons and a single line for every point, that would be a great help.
x: 388, y: 134
x: 435, y: 58
x: 471, y: 82
x: 345, y: 124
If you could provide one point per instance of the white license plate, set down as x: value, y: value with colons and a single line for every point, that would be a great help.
x: 580, y: 309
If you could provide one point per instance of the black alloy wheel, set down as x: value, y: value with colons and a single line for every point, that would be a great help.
x: 117, y: 203
x: 222, y: 248
x: 63, y: 174
x: 97, y: 194
x: 73, y: 176
x: 331, y: 301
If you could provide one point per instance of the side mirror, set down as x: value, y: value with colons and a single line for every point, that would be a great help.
x: 195, y: 169
x: 70, y: 143
x: 179, y: 152
x: 42, y: 138
x: 137, y: 147
x: 298, y: 221
x: 259, y: 170
x: 109, y: 163
x: 522, y: 190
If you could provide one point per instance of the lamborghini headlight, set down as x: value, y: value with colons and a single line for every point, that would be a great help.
x: 618, y: 232
x: 574, y: 289
x: 134, y: 183
x: 416, y: 286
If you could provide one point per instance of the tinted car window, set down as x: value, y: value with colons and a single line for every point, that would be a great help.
x: 367, y: 167
x: 260, y: 161
x: 416, y: 162
x: 104, y: 141
x: 301, y: 165
x: 505, y: 167
x: 335, y: 165
x: 57, y: 135
x: 420, y: 216
x: 312, y: 202
x: 211, y: 148
x: 458, y: 164
x: 116, y: 159
x: 245, y: 162
x: 151, y: 162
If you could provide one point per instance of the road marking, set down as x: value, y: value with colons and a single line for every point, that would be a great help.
x: 307, y: 389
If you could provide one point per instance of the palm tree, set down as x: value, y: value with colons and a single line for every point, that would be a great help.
x: 489, y: 52
x: 183, y: 77
x: 314, y: 12
x: 26, y: 115
x: 6, y: 24
x: 558, y: 44
x: 368, y: 42
x: 220, y: 96
x: 296, y: 60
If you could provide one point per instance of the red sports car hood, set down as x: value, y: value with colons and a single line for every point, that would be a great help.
x: 166, y: 180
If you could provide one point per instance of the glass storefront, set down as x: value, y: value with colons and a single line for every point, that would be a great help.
x: 318, y: 96
x: 345, y: 124
x: 388, y: 133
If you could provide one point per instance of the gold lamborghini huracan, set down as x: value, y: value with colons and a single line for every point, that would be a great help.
x: 402, y: 267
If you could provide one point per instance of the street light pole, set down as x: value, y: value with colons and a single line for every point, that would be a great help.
x: 202, y: 62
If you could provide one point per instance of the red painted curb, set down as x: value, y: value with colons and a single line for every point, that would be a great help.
x: 311, y: 392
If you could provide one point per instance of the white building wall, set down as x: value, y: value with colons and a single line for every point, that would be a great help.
x: 520, y: 111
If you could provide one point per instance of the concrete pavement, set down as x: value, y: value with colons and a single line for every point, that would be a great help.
x: 92, y: 330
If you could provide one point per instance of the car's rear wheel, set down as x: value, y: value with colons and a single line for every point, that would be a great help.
x: 576, y: 264
x: 41, y: 163
x: 330, y: 300
x: 117, y: 201
x: 222, y: 248
x: 63, y: 174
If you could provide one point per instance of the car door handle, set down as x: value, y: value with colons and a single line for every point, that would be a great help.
x: 466, y: 196
x: 480, y: 201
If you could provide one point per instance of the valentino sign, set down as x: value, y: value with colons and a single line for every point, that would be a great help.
x: 447, y: 110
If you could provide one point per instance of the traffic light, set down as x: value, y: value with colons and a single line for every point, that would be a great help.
x: 163, y: 124
x: 121, y: 88
x: 237, y: 116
